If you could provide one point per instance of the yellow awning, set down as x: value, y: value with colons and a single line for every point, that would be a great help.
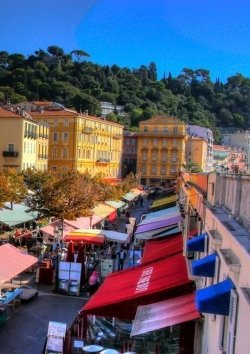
x: 164, y: 201
x: 103, y: 210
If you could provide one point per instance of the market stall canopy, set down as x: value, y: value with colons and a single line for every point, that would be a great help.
x: 158, y: 249
x: 137, y: 191
x: 158, y: 233
x: 85, y: 222
x: 55, y: 226
x: 80, y: 235
x: 164, y: 314
x: 105, y: 211
x: 163, y: 202
x: 122, y: 292
x: 85, y: 236
x: 20, y: 214
x: 13, y: 261
x: 116, y: 236
x: 129, y: 197
x: 158, y: 224
x: 118, y: 204
x: 160, y: 215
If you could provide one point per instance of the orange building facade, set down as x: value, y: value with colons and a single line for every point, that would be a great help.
x: 161, y: 150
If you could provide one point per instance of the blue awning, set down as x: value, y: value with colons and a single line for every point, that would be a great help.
x: 215, y: 299
x: 205, y: 266
x: 197, y: 243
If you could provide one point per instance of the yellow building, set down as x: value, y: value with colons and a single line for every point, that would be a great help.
x: 161, y: 149
x: 23, y: 141
x: 82, y: 142
x: 196, y: 152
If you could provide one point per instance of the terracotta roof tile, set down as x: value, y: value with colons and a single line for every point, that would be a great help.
x: 5, y: 113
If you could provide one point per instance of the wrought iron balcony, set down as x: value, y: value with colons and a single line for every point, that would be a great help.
x: 10, y: 153
x: 117, y: 136
x: 103, y: 161
x: 87, y: 130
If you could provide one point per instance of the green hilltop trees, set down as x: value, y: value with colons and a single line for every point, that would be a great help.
x: 70, y: 79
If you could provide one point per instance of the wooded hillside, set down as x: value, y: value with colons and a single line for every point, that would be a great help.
x: 70, y: 79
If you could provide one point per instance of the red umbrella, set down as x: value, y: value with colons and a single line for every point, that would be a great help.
x: 70, y: 253
x: 80, y: 256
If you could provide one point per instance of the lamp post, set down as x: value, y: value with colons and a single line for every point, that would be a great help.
x: 57, y: 241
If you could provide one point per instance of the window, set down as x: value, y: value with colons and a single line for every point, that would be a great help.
x: 55, y: 136
x: 154, y: 170
x: 227, y: 326
x: 65, y: 136
x: 133, y: 141
x: 55, y: 122
x: 154, y: 155
x: 174, y: 143
x: 64, y: 152
x: 175, y: 130
x: 164, y: 157
x: 144, y: 156
x: 127, y: 142
x: 66, y: 122
x: 164, y: 142
x: 144, y: 169
x: 145, y: 142
x: 163, y: 170
x: 165, y: 129
x: 155, y: 142
x: 145, y: 129
x: 155, y: 129
x: 54, y: 152
x: 11, y: 147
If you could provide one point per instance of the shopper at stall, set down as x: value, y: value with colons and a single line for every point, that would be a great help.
x: 93, y: 283
x: 122, y: 254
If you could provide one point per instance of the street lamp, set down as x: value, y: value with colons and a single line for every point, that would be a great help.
x: 57, y: 245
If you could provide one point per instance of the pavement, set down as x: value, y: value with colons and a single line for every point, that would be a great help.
x: 26, y: 329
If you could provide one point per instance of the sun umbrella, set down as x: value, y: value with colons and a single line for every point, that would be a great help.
x: 70, y: 253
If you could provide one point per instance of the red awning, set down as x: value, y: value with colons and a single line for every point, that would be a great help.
x: 13, y: 261
x: 122, y: 292
x: 164, y: 314
x: 158, y: 249
x: 112, y: 216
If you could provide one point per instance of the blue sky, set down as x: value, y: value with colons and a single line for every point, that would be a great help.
x: 209, y: 34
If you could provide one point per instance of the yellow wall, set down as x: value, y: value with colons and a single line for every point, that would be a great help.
x: 161, y: 148
x: 196, y: 152
x: 18, y: 131
x: 82, y: 142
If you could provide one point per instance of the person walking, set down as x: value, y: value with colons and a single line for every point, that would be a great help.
x: 122, y: 254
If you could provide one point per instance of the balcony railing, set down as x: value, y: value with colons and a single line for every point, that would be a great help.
x: 41, y: 156
x: 10, y: 153
x: 117, y: 136
x: 103, y: 161
x: 30, y: 135
x: 162, y: 133
x: 87, y: 130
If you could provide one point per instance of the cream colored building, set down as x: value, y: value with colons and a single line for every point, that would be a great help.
x: 221, y: 216
x: 82, y: 142
x: 161, y: 149
x: 23, y: 141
